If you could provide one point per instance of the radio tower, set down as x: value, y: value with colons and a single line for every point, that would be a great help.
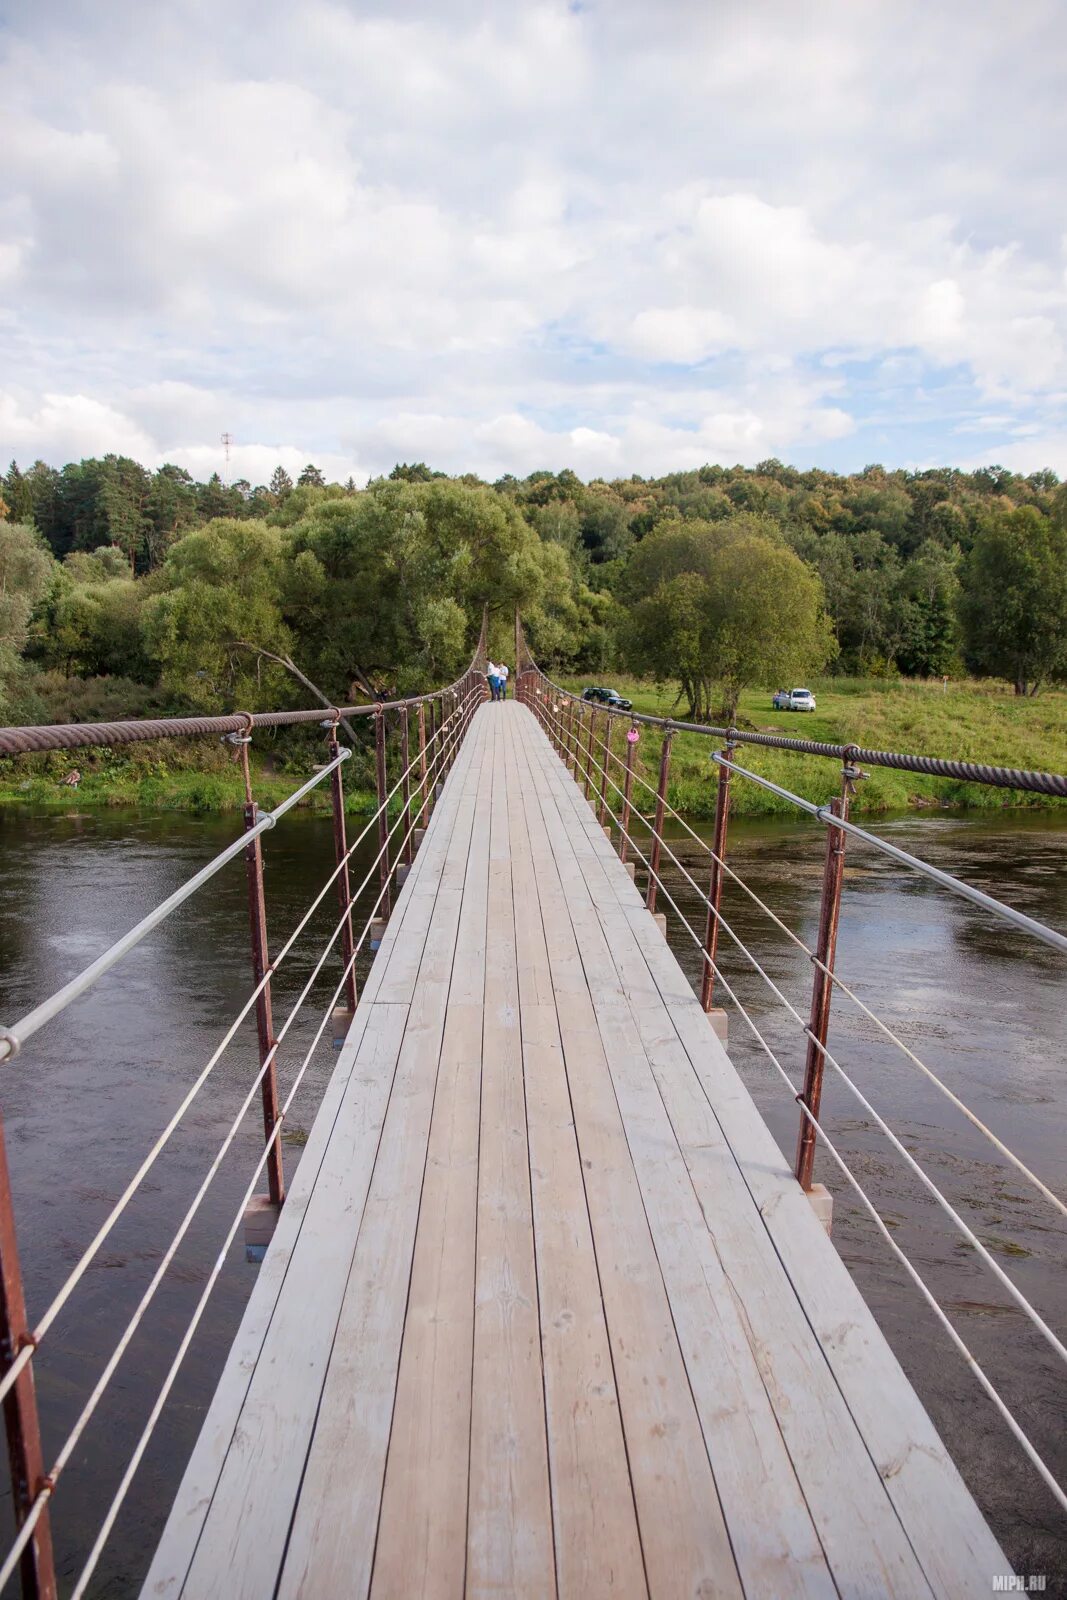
x: 227, y: 440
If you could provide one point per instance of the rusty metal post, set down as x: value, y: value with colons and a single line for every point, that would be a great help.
x: 718, y: 847
x: 422, y: 764
x: 344, y: 887
x: 589, y: 757
x: 568, y: 735
x: 602, y: 812
x: 632, y: 736
x: 384, y: 868
x: 821, y: 990
x: 405, y: 761
x: 37, y: 1567
x: 657, y: 828
x: 261, y: 967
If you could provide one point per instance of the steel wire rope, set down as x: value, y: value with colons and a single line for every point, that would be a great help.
x: 1029, y: 1449
x: 838, y: 982
x: 62, y: 1458
x: 63, y: 1294
x: 1051, y: 1338
x: 168, y: 1382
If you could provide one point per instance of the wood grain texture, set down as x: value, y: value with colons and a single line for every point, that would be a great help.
x: 546, y: 1314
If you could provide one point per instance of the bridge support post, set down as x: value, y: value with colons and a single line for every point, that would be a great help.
x: 632, y: 736
x: 422, y: 773
x: 657, y: 826
x: 589, y: 756
x: 344, y: 889
x: 36, y: 1567
x: 405, y: 762
x: 257, y: 921
x: 602, y: 812
x: 718, y: 853
x: 822, y: 990
x: 383, y: 819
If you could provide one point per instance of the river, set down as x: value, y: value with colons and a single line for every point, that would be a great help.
x: 981, y: 1004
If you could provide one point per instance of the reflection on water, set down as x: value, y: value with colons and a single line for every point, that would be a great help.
x: 982, y: 1005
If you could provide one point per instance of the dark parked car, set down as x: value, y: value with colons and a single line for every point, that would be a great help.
x: 608, y: 697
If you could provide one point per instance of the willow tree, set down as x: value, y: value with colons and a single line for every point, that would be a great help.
x: 718, y: 606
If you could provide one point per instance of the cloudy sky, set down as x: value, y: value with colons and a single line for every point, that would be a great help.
x: 619, y: 235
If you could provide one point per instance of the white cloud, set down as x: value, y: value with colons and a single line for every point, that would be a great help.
x: 478, y: 237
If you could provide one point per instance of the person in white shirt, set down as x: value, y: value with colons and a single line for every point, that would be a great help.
x: 503, y: 674
x: 492, y: 672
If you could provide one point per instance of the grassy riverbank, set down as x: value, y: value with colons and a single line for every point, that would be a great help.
x: 968, y: 722
x: 192, y: 776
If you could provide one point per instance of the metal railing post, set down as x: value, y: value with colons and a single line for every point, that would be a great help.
x: 405, y: 760
x: 718, y: 847
x: 632, y: 736
x: 261, y: 967
x: 589, y: 757
x: 25, y: 1458
x: 657, y: 828
x: 422, y: 764
x: 384, y: 868
x: 602, y: 810
x: 344, y: 887
x: 822, y: 983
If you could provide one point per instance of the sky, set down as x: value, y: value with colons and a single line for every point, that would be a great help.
x: 624, y: 236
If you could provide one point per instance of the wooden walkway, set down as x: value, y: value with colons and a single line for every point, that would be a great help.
x: 546, y: 1312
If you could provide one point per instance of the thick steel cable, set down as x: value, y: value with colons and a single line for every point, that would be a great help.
x: 63, y: 1457
x: 839, y: 983
x: 1023, y: 1440
x: 976, y: 1244
x: 966, y: 891
x: 13, y: 1038
x: 1052, y: 783
x: 25, y: 1355
x: 81, y: 735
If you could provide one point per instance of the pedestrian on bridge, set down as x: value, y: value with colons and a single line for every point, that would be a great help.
x: 492, y: 672
x: 503, y: 674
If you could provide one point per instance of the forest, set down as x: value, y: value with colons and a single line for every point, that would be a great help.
x: 125, y: 591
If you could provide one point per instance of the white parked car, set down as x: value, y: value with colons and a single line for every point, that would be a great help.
x: 801, y: 700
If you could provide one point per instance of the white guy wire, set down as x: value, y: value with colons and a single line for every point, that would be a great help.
x: 839, y: 983
x: 976, y: 1244
x: 25, y: 1355
x: 1021, y: 1437
x: 44, y: 1495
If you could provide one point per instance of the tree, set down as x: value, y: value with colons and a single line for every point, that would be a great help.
x: 281, y: 484
x: 27, y: 570
x: 220, y: 584
x: 723, y: 604
x: 311, y: 478
x: 1013, y: 605
x: 18, y: 496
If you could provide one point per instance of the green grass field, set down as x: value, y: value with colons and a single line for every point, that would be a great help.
x: 976, y: 721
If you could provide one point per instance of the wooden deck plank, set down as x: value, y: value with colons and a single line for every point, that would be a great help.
x: 423, y: 1519
x: 684, y: 1536
x: 952, y: 1541
x: 270, y: 1409
x: 173, y: 1557
x: 597, y: 1542
x: 546, y: 1312
x: 332, y: 1540
x: 509, y: 1521
x: 816, y: 1464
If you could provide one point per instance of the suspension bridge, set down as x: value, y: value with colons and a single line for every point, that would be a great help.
x: 544, y: 1309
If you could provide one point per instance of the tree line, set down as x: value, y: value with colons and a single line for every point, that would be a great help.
x: 124, y: 589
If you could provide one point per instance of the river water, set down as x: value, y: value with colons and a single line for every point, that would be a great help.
x: 981, y: 1004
